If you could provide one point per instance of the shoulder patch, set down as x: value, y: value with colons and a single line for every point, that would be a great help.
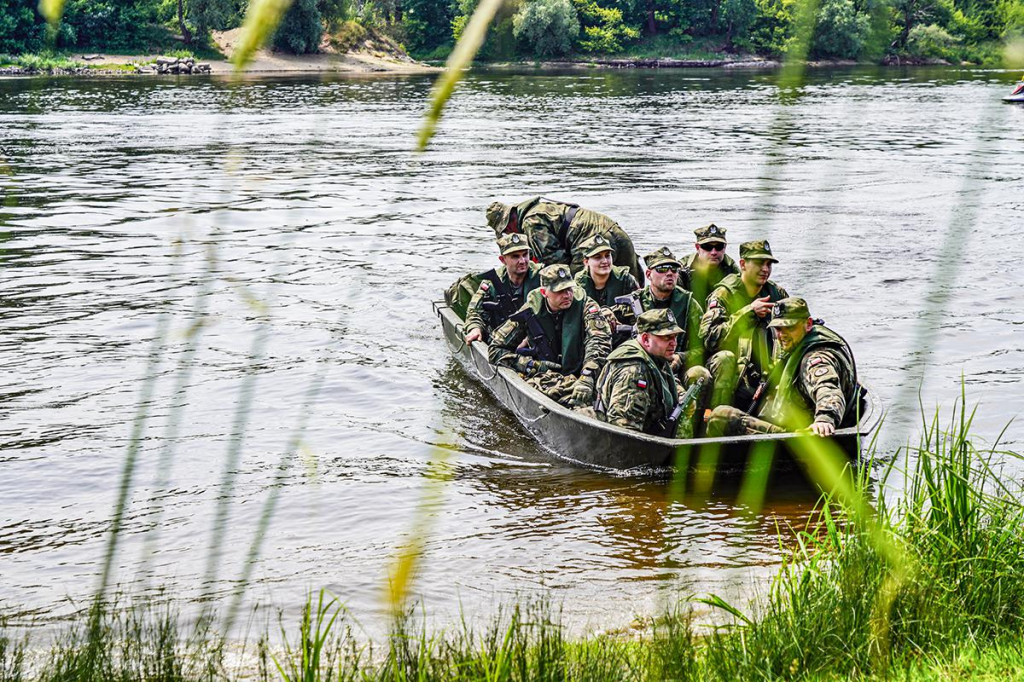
x: 641, y: 383
x: 821, y: 371
x: 816, y: 360
x: 592, y: 309
x: 713, y: 303
x: 485, y: 285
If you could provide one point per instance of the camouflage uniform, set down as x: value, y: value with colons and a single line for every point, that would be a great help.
x: 497, y: 297
x: 638, y: 391
x: 557, y: 231
x: 739, y: 341
x: 579, y: 335
x: 700, y: 280
x: 620, y: 283
x: 815, y: 382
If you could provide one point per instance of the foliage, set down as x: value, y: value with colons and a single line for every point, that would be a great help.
x: 500, y: 42
x: 604, y: 31
x: 22, y: 28
x: 347, y: 36
x: 546, y: 28
x: 301, y: 28
x: 109, y: 24
x: 427, y: 25
x: 841, y: 32
x: 931, y: 41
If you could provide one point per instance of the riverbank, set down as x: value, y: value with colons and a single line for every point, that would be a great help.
x: 927, y: 588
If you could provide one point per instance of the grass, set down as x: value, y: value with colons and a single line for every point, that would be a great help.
x: 955, y: 614
x: 40, y: 62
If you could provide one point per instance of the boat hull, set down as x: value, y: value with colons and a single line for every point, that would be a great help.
x: 573, y: 436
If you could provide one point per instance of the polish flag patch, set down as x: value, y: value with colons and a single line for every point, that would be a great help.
x: 641, y: 383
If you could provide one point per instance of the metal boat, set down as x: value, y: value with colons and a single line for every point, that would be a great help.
x: 574, y: 436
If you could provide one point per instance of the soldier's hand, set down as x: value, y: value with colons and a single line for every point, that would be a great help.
x: 762, y: 306
x: 545, y: 366
x: 823, y: 429
x: 610, y: 316
x: 677, y: 362
x: 526, y: 365
x: 583, y: 391
x: 474, y: 335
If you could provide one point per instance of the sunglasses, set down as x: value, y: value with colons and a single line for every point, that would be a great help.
x: 666, y: 268
x: 713, y: 246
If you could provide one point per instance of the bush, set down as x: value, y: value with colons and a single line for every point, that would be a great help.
x: 841, y: 32
x: 603, y: 28
x: 546, y: 28
x: 931, y: 41
x: 108, y: 24
x: 347, y: 36
x: 301, y: 28
x: 22, y: 29
x: 773, y: 26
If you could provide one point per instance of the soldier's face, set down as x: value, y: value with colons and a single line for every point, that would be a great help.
x: 663, y: 282
x: 599, y: 264
x: 789, y: 337
x: 712, y: 253
x: 756, y: 270
x: 517, y: 262
x: 558, y: 300
x: 659, y: 346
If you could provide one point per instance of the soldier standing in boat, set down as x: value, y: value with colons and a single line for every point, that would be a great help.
x: 812, y: 383
x: 559, y: 339
x: 502, y: 290
x: 706, y: 268
x: 604, y: 282
x: 556, y: 232
x: 637, y: 388
x: 735, y: 326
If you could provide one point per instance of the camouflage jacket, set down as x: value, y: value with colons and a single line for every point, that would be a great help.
x: 552, y: 241
x: 683, y: 307
x: 815, y: 382
x: 701, y: 283
x: 620, y: 283
x: 636, y: 391
x: 730, y: 323
x: 580, y: 334
x: 496, y: 288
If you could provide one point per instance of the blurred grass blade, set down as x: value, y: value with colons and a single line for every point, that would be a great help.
x: 52, y: 10
x: 261, y: 21
x: 459, y: 60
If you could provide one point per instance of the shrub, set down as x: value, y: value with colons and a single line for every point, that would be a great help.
x: 841, y: 31
x: 546, y: 28
x: 301, y: 28
x: 931, y: 41
x: 22, y: 29
x: 347, y: 36
x: 603, y: 28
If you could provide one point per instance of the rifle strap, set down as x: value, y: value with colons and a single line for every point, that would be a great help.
x: 567, y: 219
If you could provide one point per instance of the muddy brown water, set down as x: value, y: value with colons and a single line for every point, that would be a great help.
x: 328, y: 239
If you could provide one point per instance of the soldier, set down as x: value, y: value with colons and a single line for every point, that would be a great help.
x: 567, y: 327
x: 604, y: 282
x: 704, y: 269
x: 637, y: 389
x: 662, y: 292
x: 735, y: 326
x: 557, y: 231
x: 503, y: 289
x: 813, y: 383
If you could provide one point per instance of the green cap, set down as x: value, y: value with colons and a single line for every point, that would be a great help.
x: 659, y: 321
x: 789, y: 311
x: 556, y: 278
x: 709, y: 234
x: 660, y: 257
x: 595, y: 245
x: 497, y: 217
x: 760, y: 249
x: 510, y: 243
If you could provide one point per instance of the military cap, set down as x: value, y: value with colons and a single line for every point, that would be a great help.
x: 556, y: 278
x: 659, y: 321
x: 510, y: 243
x: 497, y: 217
x: 660, y: 257
x: 710, y: 233
x: 789, y: 311
x: 760, y: 249
x: 595, y: 245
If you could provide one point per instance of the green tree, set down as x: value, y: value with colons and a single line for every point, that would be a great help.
x: 22, y: 28
x: 546, y: 28
x: 109, y: 24
x: 841, y: 31
x: 301, y: 28
x: 427, y: 24
x: 604, y: 30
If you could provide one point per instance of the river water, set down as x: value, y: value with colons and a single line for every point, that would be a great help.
x: 275, y: 235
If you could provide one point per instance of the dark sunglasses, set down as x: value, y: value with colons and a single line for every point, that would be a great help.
x: 666, y: 268
x: 713, y: 246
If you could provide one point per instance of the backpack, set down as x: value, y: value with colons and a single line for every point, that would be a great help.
x: 459, y: 294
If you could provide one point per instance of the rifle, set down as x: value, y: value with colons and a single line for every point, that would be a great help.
x: 669, y: 426
x: 540, y: 347
x: 634, y: 303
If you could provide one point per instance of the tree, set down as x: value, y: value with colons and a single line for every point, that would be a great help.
x: 22, y: 28
x: 427, y: 24
x: 301, y: 28
x: 546, y: 28
x: 841, y: 31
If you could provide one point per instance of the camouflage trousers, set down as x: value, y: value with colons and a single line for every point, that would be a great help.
x: 730, y: 387
x: 729, y: 421
x: 691, y: 419
x: 554, y: 385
